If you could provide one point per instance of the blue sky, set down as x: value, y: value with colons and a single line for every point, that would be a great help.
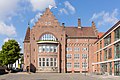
x: 15, y: 15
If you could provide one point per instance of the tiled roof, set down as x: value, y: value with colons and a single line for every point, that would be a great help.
x: 27, y: 36
x: 100, y: 34
x: 80, y: 32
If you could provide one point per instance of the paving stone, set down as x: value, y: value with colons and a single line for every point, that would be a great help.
x: 55, y: 76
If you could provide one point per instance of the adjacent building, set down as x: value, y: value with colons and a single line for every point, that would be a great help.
x: 107, y: 52
x: 19, y: 63
x: 51, y: 47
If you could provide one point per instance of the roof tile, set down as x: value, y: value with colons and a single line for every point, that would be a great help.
x: 80, y: 32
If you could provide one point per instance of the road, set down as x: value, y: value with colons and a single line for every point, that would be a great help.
x: 54, y: 76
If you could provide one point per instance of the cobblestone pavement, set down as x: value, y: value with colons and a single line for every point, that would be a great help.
x: 54, y: 76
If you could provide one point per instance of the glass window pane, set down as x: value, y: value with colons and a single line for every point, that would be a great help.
x: 43, y: 59
x: 43, y: 63
x: 48, y: 37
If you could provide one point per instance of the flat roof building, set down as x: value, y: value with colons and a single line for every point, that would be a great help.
x: 107, y: 52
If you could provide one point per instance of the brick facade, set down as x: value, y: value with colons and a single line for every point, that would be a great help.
x: 107, y: 52
x: 76, y: 41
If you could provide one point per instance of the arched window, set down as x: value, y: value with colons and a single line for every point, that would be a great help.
x: 48, y: 37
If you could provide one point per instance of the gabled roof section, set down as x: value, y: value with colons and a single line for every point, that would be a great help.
x: 48, y: 19
x: 80, y: 32
x: 27, y: 36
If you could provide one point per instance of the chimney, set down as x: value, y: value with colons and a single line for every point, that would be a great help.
x: 93, y: 24
x: 63, y: 24
x: 79, y: 23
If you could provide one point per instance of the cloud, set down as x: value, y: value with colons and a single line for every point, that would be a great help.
x: 8, y: 8
x: 6, y: 40
x: 63, y: 10
x: 8, y: 30
x: 40, y: 5
x: 37, y: 16
x: 68, y: 8
x: 104, y: 18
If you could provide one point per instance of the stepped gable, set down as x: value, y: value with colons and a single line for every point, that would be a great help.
x: 47, y: 19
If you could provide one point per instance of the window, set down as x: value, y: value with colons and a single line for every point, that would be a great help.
x: 76, y: 49
x: 84, y: 64
x: 117, y: 68
x: 117, y: 50
x: 69, y: 56
x: 107, y: 40
x: 49, y: 37
x: 52, y: 49
x: 76, y: 65
x: 110, y: 53
x: 76, y: 56
x: 34, y: 50
x: 40, y: 49
x: 69, y: 65
x: 39, y: 61
x: 68, y: 40
x: 69, y: 49
x: 105, y: 54
x: 43, y: 48
x: 48, y: 48
x: 55, y: 62
x: 117, y: 34
x: 55, y: 49
x: 43, y: 61
x: 84, y: 49
x: 51, y: 61
x: 84, y: 56
x: 47, y: 62
x: 33, y: 38
x: 97, y: 57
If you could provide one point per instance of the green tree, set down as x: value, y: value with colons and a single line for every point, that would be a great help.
x: 1, y: 58
x: 10, y: 52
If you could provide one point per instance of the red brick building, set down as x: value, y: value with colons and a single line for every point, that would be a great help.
x: 51, y: 47
x: 107, y: 52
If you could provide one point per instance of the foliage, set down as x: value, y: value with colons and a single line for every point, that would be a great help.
x: 1, y: 58
x: 10, y: 52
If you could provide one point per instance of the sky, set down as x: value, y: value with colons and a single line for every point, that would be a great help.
x: 16, y: 14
